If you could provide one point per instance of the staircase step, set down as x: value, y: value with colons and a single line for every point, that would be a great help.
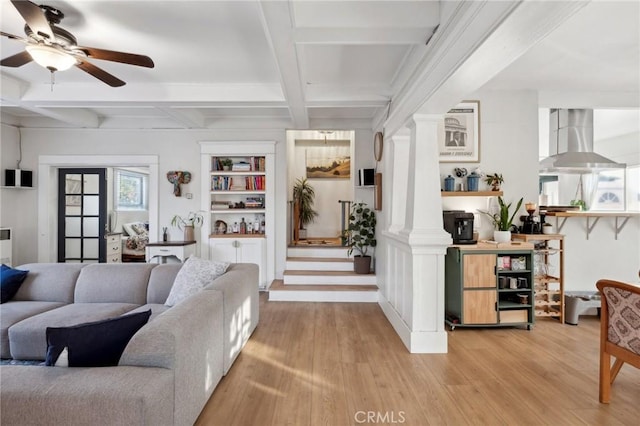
x: 324, y: 252
x: 310, y: 277
x: 278, y: 291
x: 319, y: 263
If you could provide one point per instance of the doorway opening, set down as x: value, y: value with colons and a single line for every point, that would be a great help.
x: 48, y: 193
x: 321, y: 160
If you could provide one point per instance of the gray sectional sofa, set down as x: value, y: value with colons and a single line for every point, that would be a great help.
x: 167, y: 371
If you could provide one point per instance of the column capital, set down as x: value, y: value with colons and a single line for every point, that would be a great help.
x: 416, y: 119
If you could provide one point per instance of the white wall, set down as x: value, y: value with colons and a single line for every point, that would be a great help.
x: 176, y: 150
x: 16, y: 203
x: 509, y: 146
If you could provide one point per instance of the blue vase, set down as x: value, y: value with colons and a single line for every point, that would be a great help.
x: 449, y: 183
x: 472, y: 182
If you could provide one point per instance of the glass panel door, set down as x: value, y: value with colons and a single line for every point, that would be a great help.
x: 82, y: 195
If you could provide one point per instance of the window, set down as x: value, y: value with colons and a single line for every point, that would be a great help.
x: 130, y: 190
x: 609, y: 191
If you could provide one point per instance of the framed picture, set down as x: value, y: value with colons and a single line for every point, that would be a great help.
x: 459, y: 138
x: 328, y: 162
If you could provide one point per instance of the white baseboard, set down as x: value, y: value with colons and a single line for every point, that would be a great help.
x: 417, y: 342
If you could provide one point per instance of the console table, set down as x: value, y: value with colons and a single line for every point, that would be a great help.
x: 165, y: 249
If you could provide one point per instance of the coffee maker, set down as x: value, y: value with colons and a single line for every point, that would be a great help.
x: 460, y: 225
x: 530, y: 224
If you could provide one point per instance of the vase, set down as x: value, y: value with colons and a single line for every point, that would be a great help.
x: 189, y: 234
x: 501, y: 236
x: 472, y: 182
x: 361, y: 264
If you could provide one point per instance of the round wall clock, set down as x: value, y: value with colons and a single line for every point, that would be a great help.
x: 377, y: 145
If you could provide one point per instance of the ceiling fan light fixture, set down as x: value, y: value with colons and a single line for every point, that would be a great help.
x: 51, y: 58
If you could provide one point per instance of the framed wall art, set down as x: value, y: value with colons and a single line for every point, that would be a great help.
x: 459, y: 138
x: 328, y: 162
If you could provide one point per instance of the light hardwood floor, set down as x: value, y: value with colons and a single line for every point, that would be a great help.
x: 332, y: 363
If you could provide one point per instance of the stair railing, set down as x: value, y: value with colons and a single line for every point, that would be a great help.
x: 345, y: 210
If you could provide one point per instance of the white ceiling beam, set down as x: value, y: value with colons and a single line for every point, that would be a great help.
x: 276, y: 21
x: 479, y: 40
x: 362, y: 36
x: 13, y: 92
x: 173, y: 93
x: 188, y: 118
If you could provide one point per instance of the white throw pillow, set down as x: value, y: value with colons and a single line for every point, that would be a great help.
x: 194, y: 275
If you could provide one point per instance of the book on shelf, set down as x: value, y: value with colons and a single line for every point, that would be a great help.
x: 241, y: 166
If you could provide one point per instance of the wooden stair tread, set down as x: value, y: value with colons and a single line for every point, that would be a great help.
x: 326, y: 273
x: 319, y: 259
x: 278, y: 285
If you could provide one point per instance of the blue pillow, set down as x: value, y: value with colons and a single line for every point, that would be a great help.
x: 10, y: 281
x: 94, y: 344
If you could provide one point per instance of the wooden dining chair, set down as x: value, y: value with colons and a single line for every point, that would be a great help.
x: 619, y: 331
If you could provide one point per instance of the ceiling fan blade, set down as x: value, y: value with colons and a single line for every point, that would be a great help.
x: 14, y: 37
x: 100, y: 74
x: 17, y: 60
x: 125, y: 58
x: 34, y: 17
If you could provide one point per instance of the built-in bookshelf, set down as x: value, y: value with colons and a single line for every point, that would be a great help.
x: 238, y: 196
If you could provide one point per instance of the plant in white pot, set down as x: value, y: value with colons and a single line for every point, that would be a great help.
x: 503, y: 220
x: 361, y: 235
x: 188, y: 224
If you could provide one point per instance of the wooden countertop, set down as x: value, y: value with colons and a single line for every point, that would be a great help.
x: 593, y: 214
x: 492, y: 245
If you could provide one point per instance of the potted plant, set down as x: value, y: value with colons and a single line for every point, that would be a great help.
x: 303, y: 195
x: 226, y: 163
x: 188, y: 223
x: 361, y: 235
x: 503, y: 220
x: 495, y: 180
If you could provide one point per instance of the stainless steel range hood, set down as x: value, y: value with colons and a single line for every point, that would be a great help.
x: 571, y: 144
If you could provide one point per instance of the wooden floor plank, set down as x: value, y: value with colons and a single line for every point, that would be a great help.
x: 328, y: 363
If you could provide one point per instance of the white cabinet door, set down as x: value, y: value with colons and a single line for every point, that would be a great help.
x: 251, y: 250
x: 222, y: 249
x: 240, y: 250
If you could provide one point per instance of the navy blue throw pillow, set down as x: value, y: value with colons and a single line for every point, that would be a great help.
x: 94, y: 344
x: 10, y: 281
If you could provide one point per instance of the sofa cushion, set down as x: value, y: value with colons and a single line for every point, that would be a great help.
x: 113, y: 282
x: 28, y: 337
x: 10, y: 281
x: 194, y: 275
x: 94, y: 344
x: 49, y: 282
x: 161, y: 281
x: 156, y: 309
x: 13, y: 312
x: 33, y: 395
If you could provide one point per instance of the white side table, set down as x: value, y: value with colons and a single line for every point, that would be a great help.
x: 163, y: 250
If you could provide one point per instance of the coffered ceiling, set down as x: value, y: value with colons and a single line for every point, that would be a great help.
x: 284, y: 63
x: 225, y: 61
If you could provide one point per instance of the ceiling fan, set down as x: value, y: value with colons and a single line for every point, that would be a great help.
x: 56, y: 49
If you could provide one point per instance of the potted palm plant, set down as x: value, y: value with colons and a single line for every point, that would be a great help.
x: 188, y: 223
x: 361, y: 235
x: 303, y: 195
x: 503, y: 220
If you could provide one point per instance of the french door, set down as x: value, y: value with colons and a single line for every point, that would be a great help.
x: 82, y: 212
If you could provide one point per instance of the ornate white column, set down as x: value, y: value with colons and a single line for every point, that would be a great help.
x: 413, y: 297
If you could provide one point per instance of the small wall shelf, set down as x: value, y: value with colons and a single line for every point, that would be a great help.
x: 471, y: 193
